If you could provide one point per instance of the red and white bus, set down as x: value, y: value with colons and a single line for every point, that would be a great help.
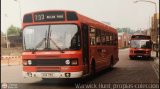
x: 140, y: 46
x: 65, y: 44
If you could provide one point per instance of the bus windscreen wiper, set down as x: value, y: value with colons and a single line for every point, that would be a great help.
x: 56, y: 45
x: 54, y: 41
x: 40, y: 43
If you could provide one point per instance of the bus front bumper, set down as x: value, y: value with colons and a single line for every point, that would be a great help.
x: 139, y: 55
x: 53, y: 74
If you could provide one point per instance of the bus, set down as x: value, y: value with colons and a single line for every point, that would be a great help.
x: 66, y: 44
x: 140, y: 46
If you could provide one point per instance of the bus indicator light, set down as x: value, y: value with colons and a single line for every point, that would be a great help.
x: 74, y: 62
x: 25, y: 62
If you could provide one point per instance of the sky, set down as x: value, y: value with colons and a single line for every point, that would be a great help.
x: 119, y: 13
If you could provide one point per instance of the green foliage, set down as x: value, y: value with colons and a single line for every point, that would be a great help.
x: 12, y: 30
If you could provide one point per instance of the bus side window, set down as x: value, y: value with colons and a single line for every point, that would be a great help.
x: 111, y: 39
x: 92, y: 35
x: 114, y: 39
x: 103, y: 37
x: 107, y: 38
x: 98, y: 37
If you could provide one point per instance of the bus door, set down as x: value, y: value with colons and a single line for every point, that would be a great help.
x: 85, y: 46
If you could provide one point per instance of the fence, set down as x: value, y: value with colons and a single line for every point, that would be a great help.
x: 11, y: 60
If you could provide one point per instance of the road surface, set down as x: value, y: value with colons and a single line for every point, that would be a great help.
x: 126, y: 71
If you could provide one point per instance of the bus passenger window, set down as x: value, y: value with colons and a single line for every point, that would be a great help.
x: 98, y: 40
x: 107, y: 39
x: 114, y: 40
x: 98, y: 37
x: 103, y: 38
x: 111, y: 40
x: 92, y: 36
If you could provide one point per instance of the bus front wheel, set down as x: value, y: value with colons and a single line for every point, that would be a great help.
x: 131, y: 57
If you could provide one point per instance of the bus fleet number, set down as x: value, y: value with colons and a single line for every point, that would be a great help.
x: 39, y: 17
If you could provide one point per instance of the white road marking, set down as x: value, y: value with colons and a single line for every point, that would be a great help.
x: 156, y: 70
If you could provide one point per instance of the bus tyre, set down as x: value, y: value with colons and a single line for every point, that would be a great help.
x: 92, y: 70
x: 111, y: 63
x: 45, y: 79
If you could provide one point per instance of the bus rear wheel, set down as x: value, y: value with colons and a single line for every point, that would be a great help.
x: 111, y: 64
x: 92, y: 70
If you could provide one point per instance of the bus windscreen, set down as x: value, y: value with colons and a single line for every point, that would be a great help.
x: 140, y: 44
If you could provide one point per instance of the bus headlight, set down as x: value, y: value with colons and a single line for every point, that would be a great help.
x: 29, y: 62
x: 67, y: 62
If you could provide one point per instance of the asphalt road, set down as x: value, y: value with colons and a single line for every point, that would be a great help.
x: 126, y: 71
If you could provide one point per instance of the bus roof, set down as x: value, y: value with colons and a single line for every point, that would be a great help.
x: 95, y: 23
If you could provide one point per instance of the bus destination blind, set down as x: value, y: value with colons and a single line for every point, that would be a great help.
x: 49, y: 16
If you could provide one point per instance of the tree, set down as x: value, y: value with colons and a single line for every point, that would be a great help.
x: 12, y: 30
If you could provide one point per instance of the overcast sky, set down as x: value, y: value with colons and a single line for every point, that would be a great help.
x: 120, y: 13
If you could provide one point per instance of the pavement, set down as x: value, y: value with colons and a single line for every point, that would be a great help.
x: 155, y: 63
x: 156, y: 59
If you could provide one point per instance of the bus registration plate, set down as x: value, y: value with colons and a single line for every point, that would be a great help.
x: 47, y: 74
x: 139, y: 56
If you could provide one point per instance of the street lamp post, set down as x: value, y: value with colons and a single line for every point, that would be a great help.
x: 6, y: 33
x: 20, y: 12
x: 155, y: 18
